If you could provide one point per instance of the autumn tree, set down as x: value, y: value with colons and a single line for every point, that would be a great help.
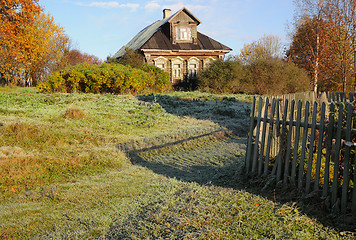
x: 47, y: 48
x: 312, y: 10
x: 267, y: 47
x: 15, y: 16
x: 341, y: 15
x: 74, y: 56
x: 42, y: 52
x: 323, y: 42
x: 307, y: 50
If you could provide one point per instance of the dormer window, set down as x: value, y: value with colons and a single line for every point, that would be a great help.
x: 183, y: 33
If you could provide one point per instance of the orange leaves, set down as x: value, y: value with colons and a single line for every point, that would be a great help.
x: 323, y: 43
x: 33, y: 52
x: 74, y: 57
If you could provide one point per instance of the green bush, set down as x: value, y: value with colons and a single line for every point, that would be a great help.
x: 112, y: 78
x: 265, y: 76
x: 222, y: 77
x: 274, y: 76
x: 162, y: 79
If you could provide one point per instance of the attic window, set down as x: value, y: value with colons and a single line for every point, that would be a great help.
x: 183, y: 33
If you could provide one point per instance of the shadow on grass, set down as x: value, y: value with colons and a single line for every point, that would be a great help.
x: 188, y: 165
x: 234, y: 117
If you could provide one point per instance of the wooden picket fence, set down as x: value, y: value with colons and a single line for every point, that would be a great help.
x: 341, y: 96
x: 304, y: 146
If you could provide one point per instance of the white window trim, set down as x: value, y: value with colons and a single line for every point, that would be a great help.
x: 180, y: 36
x: 191, y: 61
x: 161, y: 60
x: 177, y: 73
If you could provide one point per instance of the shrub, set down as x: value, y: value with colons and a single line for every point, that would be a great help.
x: 264, y: 76
x: 273, y: 76
x: 104, y: 78
x: 222, y: 77
x: 162, y: 82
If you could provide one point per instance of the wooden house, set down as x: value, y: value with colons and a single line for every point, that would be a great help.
x: 175, y: 45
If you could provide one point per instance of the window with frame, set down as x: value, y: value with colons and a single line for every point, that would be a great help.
x: 183, y: 33
x: 161, y: 63
x: 177, y: 70
x: 193, y: 66
x: 193, y: 69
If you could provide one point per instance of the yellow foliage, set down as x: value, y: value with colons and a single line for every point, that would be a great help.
x: 34, y: 52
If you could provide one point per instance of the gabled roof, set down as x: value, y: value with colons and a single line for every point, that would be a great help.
x: 187, y: 12
x: 160, y: 41
x: 145, y: 38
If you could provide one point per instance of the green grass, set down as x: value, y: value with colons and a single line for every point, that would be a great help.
x: 85, y: 166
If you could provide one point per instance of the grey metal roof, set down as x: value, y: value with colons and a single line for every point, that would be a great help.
x: 142, y: 37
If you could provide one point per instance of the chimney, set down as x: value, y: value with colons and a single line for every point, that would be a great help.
x: 166, y: 13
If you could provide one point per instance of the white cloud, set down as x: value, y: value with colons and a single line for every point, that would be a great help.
x: 152, y: 5
x: 110, y: 4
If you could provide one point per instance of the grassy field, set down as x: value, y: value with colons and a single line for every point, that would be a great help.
x: 85, y: 166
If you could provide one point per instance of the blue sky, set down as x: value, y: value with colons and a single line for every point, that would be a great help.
x: 102, y: 27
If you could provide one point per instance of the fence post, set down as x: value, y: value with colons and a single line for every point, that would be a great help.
x: 283, y: 142
x: 337, y: 155
x: 328, y: 144
x: 311, y: 147
x: 320, y: 146
x: 354, y: 190
x: 260, y: 163
x: 249, y: 141
x: 345, y: 182
x: 304, y: 143
x: 257, y: 138
x: 270, y: 135
x: 289, y: 143
x: 296, y: 143
x: 274, y: 169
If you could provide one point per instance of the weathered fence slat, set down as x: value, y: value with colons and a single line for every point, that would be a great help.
x: 296, y: 144
x: 289, y: 143
x: 345, y: 182
x: 277, y: 146
x: 354, y: 191
x: 274, y: 169
x: 283, y: 139
x: 270, y: 135
x: 263, y: 139
x: 337, y: 155
x: 255, y: 149
x: 304, y: 143
x: 250, y: 134
x: 328, y: 143
x: 311, y: 148
x: 320, y: 146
